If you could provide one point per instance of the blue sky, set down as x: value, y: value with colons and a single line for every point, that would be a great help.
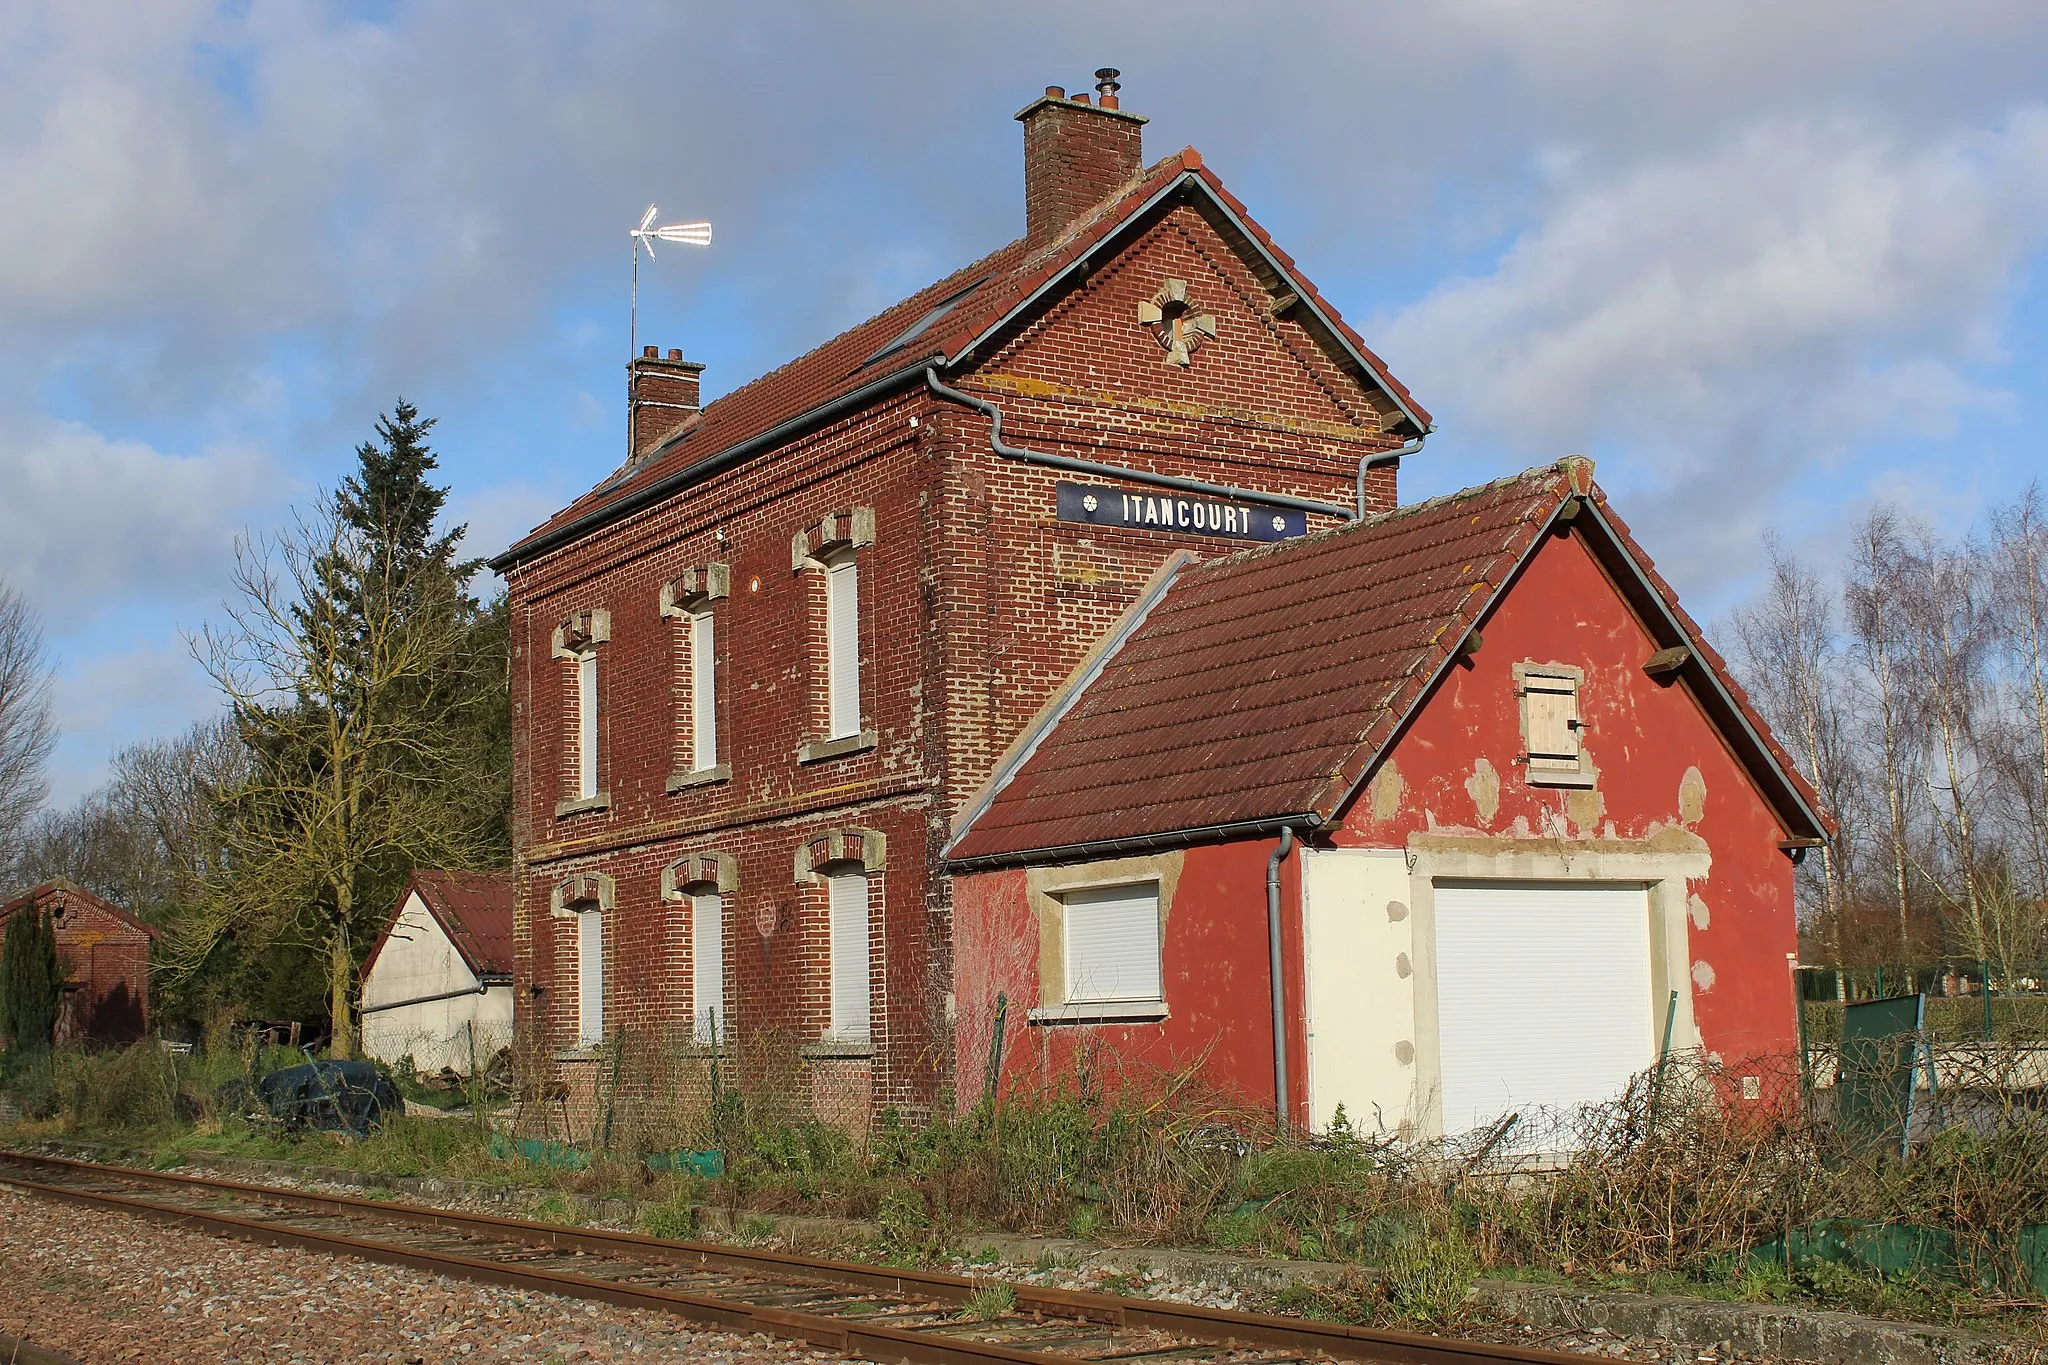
x: 1766, y: 264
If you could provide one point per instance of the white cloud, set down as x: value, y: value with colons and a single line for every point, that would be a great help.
x: 89, y: 521
x: 1712, y: 326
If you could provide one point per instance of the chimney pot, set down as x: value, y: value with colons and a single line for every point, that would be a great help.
x: 651, y: 352
x: 675, y: 353
x: 1076, y: 154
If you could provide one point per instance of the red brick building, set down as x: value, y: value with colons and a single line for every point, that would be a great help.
x: 105, y: 954
x: 763, y: 671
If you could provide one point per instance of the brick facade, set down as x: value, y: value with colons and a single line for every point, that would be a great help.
x: 105, y: 955
x: 976, y: 603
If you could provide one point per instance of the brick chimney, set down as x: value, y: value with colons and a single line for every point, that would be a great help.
x: 659, y: 394
x: 1076, y: 155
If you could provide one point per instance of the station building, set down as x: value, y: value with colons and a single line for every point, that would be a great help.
x: 817, y: 698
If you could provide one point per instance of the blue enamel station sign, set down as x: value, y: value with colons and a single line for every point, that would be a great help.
x: 1099, y: 506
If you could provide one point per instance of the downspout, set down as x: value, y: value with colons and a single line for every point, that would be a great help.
x: 1378, y: 458
x: 1282, y: 1108
x: 480, y: 988
x: 1003, y: 448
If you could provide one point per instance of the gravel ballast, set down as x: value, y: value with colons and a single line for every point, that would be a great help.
x: 104, y: 1287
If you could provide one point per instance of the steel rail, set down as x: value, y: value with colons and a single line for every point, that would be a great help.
x: 1219, y: 1331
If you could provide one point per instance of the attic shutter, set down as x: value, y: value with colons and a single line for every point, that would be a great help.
x: 586, y: 724
x: 1551, y: 705
x: 842, y: 648
x: 850, y: 1003
x: 707, y: 966
x: 590, y: 978
x: 703, y: 693
x: 1113, y: 944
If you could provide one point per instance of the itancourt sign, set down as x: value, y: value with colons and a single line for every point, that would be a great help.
x: 1103, y: 506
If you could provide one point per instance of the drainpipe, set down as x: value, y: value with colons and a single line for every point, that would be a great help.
x: 1282, y: 1109
x: 1374, y: 461
x: 479, y: 988
x: 1003, y: 448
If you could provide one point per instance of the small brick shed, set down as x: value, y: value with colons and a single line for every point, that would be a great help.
x: 105, y: 953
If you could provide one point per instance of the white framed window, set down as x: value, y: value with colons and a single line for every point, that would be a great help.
x: 842, y: 648
x: 1112, y: 944
x: 589, y: 976
x: 586, y: 724
x: 707, y: 967
x: 703, y: 692
x: 847, y: 893
x: 1552, y: 732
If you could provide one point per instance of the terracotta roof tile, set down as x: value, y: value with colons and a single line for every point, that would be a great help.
x: 1263, y: 682
x: 475, y: 908
x: 987, y: 291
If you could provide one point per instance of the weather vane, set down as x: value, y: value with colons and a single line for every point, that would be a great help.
x: 689, y: 234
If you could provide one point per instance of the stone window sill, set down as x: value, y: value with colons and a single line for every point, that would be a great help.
x: 1556, y: 778
x: 582, y: 805
x: 818, y: 750
x: 836, y: 1048
x: 700, y: 777
x: 1101, y: 1012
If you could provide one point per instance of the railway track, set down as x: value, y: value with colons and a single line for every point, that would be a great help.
x: 875, y: 1313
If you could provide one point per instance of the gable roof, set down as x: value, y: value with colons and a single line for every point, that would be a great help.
x: 473, y: 908
x: 1265, y: 685
x: 946, y: 325
x: 64, y: 887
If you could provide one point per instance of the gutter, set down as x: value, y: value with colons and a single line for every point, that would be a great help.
x: 1132, y: 843
x: 1001, y: 447
x: 481, y: 987
x: 682, y: 478
x: 1384, y: 457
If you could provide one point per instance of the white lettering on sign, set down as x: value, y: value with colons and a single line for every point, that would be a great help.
x: 1098, y: 506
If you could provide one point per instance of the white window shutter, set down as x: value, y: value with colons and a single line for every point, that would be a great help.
x: 707, y: 961
x: 1552, y: 708
x: 1113, y: 944
x: 703, y: 693
x: 590, y: 978
x: 848, y: 893
x: 586, y: 724
x: 842, y: 648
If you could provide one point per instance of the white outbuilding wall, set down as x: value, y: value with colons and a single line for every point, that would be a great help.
x: 418, y: 959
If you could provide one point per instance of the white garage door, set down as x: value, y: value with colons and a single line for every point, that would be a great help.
x: 1543, y: 998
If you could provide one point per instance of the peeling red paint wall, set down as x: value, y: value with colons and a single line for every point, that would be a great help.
x: 1661, y: 766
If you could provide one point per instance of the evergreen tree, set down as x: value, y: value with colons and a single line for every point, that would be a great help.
x: 34, y: 981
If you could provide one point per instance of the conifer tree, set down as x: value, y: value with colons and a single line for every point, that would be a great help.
x: 33, y: 979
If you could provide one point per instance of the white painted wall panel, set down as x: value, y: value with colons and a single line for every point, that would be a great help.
x: 1356, y: 933
x: 1543, y: 996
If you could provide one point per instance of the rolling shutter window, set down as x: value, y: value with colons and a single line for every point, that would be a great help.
x: 590, y: 978
x: 1550, y: 708
x: 703, y: 693
x: 1113, y: 944
x: 586, y: 724
x: 850, y: 1005
x: 842, y: 648
x: 707, y: 966
x: 1544, y: 1002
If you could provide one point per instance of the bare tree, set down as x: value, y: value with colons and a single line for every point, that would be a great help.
x: 338, y: 676
x: 2020, y: 556
x: 1791, y: 660
x: 1877, y: 642
x: 28, y: 728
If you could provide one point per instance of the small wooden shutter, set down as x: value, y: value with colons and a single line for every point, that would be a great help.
x: 842, y: 648
x: 707, y: 966
x: 1551, y: 706
x: 703, y: 693
x: 590, y: 978
x: 1113, y: 944
x: 850, y: 1003
x: 586, y: 724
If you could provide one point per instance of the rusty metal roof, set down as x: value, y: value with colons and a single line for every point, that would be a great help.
x: 473, y: 908
x: 1264, y: 685
x: 942, y: 324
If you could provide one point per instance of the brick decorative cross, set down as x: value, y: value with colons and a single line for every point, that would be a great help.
x: 1175, y: 323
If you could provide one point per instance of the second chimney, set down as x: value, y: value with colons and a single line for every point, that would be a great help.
x: 1076, y: 155
x: 660, y: 394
